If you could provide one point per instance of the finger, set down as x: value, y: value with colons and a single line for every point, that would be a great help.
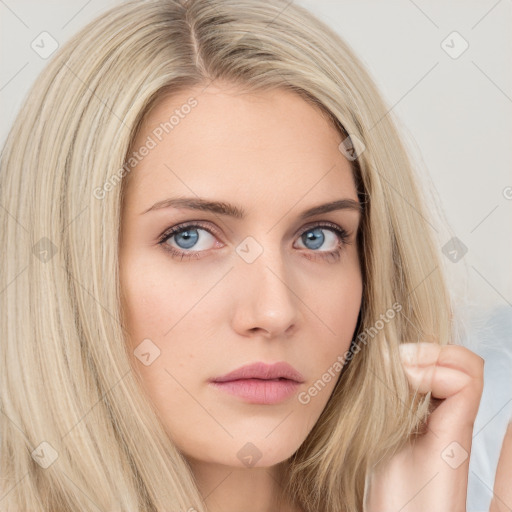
x: 451, y: 356
x: 442, y: 382
x: 459, y: 385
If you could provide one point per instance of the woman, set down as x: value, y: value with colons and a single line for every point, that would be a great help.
x: 203, y: 187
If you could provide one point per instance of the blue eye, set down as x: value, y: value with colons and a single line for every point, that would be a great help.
x: 313, y: 237
x: 188, y: 238
x: 316, y: 236
x: 195, y: 236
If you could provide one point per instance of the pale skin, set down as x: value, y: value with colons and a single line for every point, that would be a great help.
x: 432, y: 473
x: 502, y: 499
x: 274, y: 156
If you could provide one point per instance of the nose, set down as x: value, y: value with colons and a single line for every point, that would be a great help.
x: 265, y: 301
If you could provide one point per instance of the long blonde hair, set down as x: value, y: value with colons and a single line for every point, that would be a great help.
x: 77, y: 432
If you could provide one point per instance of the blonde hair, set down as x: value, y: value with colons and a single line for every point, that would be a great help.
x: 66, y: 379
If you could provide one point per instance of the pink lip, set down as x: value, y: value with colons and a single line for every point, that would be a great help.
x: 260, y: 383
x: 261, y: 370
x: 257, y: 391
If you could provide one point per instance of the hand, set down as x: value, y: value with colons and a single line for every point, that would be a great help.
x: 431, y: 472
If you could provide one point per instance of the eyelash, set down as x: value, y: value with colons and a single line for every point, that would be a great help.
x: 332, y: 256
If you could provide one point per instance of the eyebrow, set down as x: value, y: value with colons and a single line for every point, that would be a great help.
x: 224, y: 208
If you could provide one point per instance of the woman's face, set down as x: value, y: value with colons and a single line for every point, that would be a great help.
x: 249, y: 275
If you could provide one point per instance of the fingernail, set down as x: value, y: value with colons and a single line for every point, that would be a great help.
x: 409, y: 352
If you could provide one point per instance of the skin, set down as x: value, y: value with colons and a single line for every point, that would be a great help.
x: 431, y: 473
x: 274, y: 155
x: 502, y: 499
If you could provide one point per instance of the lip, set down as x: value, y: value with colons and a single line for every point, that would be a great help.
x: 261, y: 370
x: 261, y: 383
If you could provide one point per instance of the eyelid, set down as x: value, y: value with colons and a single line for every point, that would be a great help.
x: 209, y: 227
x: 323, y: 223
x: 184, y: 225
x: 343, y: 234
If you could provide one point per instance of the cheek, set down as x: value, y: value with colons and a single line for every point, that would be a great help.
x: 145, y: 313
x: 346, y: 306
x: 337, y: 305
x: 327, y: 340
x: 162, y: 318
x: 150, y: 294
x: 161, y: 348
x: 159, y: 324
x: 338, y: 300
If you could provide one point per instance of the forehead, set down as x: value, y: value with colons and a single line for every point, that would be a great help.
x: 222, y: 142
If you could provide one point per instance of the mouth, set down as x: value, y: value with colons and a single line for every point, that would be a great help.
x: 261, y: 383
x: 264, y: 371
x: 259, y: 391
